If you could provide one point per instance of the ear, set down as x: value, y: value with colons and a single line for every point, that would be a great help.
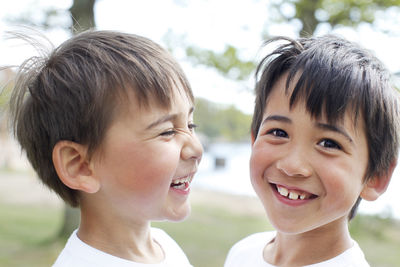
x: 73, y: 168
x: 377, y: 185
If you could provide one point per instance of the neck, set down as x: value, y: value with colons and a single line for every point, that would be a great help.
x: 113, y: 235
x: 308, y: 248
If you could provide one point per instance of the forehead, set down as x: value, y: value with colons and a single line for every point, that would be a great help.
x: 130, y: 101
x: 281, y: 97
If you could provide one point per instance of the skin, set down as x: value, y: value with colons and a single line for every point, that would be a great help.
x: 127, y: 182
x: 323, y: 162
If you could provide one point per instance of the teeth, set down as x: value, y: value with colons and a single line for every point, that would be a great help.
x: 181, y: 183
x: 293, y: 195
x: 283, y: 191
x: 181, y: 186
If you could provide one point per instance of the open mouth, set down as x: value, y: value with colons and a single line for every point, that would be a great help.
x: 182, y: 183
x: 293, y: 194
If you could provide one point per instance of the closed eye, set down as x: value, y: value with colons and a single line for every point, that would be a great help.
x: 329, y: 143
x: 192, y: 126
x: 278, y: 133
x: 168, y: 133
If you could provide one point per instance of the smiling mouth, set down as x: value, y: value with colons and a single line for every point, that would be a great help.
x: 182, y: 183
x: 293, y: 194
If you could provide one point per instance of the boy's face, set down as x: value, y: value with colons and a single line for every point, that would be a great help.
x: 144, y: 152
x: 308, y: 173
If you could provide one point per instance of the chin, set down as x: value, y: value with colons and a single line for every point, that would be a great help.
x: 179, y: 214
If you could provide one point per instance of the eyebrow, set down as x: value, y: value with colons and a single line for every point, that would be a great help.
x: 277, y: 118
x: 166, y: 118
x: 334, y: 128
x: 323, y: 126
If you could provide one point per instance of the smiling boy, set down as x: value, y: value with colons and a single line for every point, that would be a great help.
x: 106, y: 120
x: 324, y: 136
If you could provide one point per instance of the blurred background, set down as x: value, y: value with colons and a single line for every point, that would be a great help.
x: 218, y: 43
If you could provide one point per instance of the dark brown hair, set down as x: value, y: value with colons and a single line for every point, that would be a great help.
x: 335, y: 76
x: 72, y: 94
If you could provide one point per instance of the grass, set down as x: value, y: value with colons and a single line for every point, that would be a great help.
x: 379, y: 238
x: 27, y: 235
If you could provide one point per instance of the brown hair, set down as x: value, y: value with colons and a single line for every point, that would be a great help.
x: 72, y: 94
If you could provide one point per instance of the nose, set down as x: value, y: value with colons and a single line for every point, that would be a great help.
x: 294, y: 163
x: 192, y: 148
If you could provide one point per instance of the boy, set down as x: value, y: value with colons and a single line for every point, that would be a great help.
x: 106, y: 121
x: 324, y: 136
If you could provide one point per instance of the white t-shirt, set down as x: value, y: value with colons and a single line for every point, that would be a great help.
x: 79, y: 254
x: 249, y: 252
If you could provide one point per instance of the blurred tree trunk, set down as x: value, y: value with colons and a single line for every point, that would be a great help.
x: 307, y: 17
x: 82, y: 14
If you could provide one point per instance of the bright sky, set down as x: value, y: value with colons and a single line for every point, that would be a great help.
x: 207, y: 24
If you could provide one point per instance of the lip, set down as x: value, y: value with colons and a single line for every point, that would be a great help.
x: 190, y: 176
x: 185, y: 190
x: 291, y: 202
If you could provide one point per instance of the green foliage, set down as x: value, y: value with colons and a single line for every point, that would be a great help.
x: 227, y: 63
x: 217, y: 122
x: 309, y: 13
x: 334, y: 12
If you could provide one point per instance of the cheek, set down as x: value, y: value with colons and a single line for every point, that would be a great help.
x: 342, y: 181
x: 260, y: 160
x: 149, y: 170
x: 137, y: 168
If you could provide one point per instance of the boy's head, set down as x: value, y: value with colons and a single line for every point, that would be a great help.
x: 332, y: 77
x: 79, y: 89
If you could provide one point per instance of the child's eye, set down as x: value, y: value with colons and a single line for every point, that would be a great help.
x: 329, y: 143
x: 168, y: 133
x: 278, y: 133
x: 192, y: 126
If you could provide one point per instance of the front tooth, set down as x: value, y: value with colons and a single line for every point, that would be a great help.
x: 177, y: 181
x: 283, y: 191
x: 182, y: 186
x: 293, y: 195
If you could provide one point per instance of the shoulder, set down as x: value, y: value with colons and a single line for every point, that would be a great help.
x: 174, y: 255
x: 79, y: 254
x: 163, y: 238
x: 70, y: 254
x: 353, y: 257
x: 248, y: 251
x: 254, y: 241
